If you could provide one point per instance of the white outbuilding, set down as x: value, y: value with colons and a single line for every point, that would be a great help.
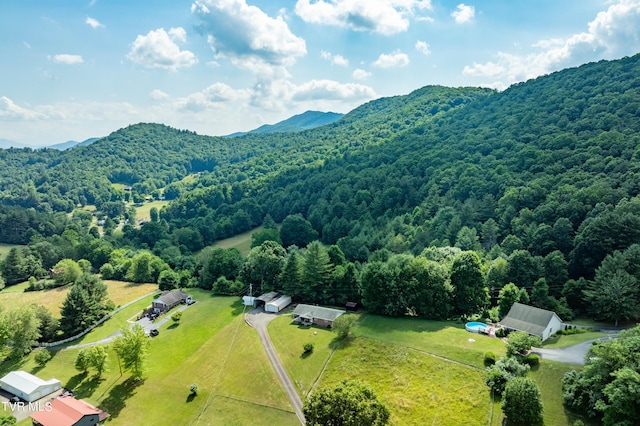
x: 27, y: 386
x: 276, y: 305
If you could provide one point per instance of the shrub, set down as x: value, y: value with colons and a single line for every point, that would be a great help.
x: 193, y: 389
x: 500, y: 333
x: 521, y: 402
x: 532, y: 360
x: 176, y: 316
x: 41, y: 356
x: 489, y: 358
x: 308, y: 347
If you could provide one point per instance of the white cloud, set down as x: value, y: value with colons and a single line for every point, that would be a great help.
x: 381, y: 16
x: 247, y: 36
x: 11, y: 112
x: 360, y: 74
x: 66, y: 59
x: 613, y: 33
x: 393, y: 60
x: 423, y: 47
x: 93, y: 23
x: 331, y: 90
x: 158, y: 95
x: 335, y: 59
x: 158, y: 49
x: 463, y: 13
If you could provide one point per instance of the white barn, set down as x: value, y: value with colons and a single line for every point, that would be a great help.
x: 532, y: 320
x: 27, y: 386
x: 276, y: 305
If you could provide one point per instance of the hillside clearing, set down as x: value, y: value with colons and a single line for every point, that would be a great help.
x: 120, y: 292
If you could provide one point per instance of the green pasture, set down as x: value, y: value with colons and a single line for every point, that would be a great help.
x: 446, y: 339
x: 5, y: 248
x: 120, y: 292
x: 212, y: 346
x: 241, y: 241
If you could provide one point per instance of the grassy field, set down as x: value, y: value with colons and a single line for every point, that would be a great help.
x: 563, y: 341
x: 119, y: 291
x: 427, y: 372
x: 442, y: 338
x: 213, y: 347
x: 5, y: 248
x: 143, y: 211
x: 241, y: 241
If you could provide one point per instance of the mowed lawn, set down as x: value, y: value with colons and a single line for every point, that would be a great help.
x: 241, y: 241
x: 212, y: 347
x: 120, y: 292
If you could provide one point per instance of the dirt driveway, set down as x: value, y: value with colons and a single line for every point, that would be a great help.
x: 258, y: 319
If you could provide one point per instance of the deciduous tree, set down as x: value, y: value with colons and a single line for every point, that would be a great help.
x: 350, y: 403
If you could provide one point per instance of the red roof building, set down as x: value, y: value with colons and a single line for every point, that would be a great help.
x: 68, y: 411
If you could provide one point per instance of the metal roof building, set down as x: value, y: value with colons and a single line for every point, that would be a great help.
x: 27, y: 386
x: 532, y: 320
x: 310, y: 314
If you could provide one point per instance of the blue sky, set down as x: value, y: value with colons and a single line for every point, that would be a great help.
x: 74, y: 69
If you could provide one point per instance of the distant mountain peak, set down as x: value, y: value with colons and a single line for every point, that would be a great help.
x: 305, y: 121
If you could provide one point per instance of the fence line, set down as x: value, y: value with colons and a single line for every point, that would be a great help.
x: 100, y: 321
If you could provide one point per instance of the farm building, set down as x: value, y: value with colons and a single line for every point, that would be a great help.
x: 68, y: 411
x: 169, y: 299
x: 263, y: 299
x: 27, y: 386
x: 309, y: 314
x: 277, y: 304
x: 532, y: 320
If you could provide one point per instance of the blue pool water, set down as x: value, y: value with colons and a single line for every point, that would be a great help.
x: 475, y: 327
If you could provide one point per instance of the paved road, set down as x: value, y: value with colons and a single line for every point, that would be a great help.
x: 146, y: 323
x: 258, y: 319
x: 571, y: 354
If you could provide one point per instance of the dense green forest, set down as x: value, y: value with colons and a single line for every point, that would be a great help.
x: 444, y: 203
x: 540, y: 181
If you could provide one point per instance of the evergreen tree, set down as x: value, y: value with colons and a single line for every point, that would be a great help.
x: 470, y: 295
x: 290, y: 278
x: 316, y: 273
x: 84, y: 304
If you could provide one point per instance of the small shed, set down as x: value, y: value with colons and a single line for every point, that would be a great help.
x: 68, y: 411
x: 27, y: 386
x: 310, y: 314
x: 169, y: 299
x: 248, y: 300
x: 278, y: 304
x: 535, y: 321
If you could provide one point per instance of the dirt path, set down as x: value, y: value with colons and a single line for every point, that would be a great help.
x: 258, y: 319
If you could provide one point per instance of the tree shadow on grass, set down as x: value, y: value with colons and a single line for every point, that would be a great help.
x: 118, y: 396
x: 87, y: 387
x: 191, y: 397
x: 174, y: 325
x: 12, y: 362
x: 75, y: 380
x: 341, y: 342
x: 238, y: 308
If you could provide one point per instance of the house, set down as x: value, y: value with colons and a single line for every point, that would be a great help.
x: 532, y: 320
x: 27, y: 386
x: 169, y: 299
x: 277, y: 304
x: 68, y: 411
x: 309, y: 314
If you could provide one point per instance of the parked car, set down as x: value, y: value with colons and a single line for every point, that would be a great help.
x: 154, y: 332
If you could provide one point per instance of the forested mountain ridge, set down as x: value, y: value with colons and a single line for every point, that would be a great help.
x: 305, y: 121
x: 530, y: 163
x: 151, y: 156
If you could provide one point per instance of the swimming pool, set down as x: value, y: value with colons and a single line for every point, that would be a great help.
x: 475, y: 327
